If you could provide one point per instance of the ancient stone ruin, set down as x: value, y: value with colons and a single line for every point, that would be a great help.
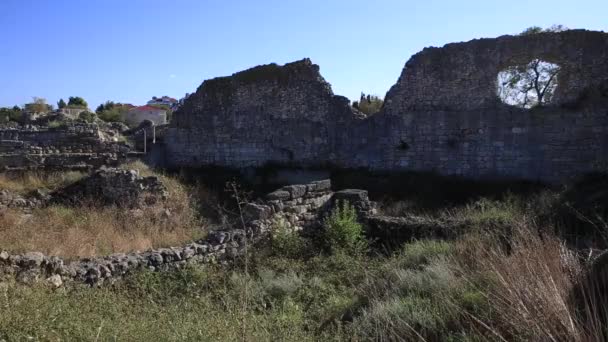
x: 111, y: 186
x: 72, y: 146
x: 298, y: 207
x: 443, y: 115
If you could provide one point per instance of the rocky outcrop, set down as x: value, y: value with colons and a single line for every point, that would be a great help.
x: 10, y: 199
x: 443, y: 115
x: 111, y: 186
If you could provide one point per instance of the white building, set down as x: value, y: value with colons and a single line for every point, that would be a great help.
x: 165, y: 101
x: 138, y: 114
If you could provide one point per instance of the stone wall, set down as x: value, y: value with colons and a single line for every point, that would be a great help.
x: 443, y: 115
x: 300, y: 207
x: 74, y: 146
x: 297, y: 206
x: 286, y: 114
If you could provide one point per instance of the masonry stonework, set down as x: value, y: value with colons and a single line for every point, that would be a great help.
x: 443, y: 115
x: 76, y: 146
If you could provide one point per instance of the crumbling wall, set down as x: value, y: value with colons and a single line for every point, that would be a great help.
x: 298, y: 206
x: 443, y: 115
x: 75, y: 146
x: 462, y: 76
x: 285, y: 114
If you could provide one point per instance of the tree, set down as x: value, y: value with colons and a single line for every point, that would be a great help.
x: 531, y: 30
x: 537, y: 29
x: 61, y: 104
x: 38, y: 105
x: 368, y: 104
x: 100, y: 108
x: 112, y: 112
x: 10, y: 114
x: 529, y: 85
x: 76, y: 101
x: 87, y: 116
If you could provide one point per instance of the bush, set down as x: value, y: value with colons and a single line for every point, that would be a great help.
x: 286, y: 242
x: 420, y: 253
x: 87, y: 116
x: 57, y: 124
x: 342, y: 230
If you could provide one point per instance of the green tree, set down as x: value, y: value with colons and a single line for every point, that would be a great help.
x: 368, y: 104
x: 112, y: 112
x: 76, y: 101
x: 61, y: 104
x: 537, y: 29
x: 529, y: 85
x: 10, y: 114
x: 87, y: 116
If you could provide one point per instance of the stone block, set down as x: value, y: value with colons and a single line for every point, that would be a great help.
x: 280, y: 195
x: 295, y: 191
x: 254, y: 211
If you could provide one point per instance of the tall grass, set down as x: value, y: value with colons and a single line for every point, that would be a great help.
x: 533, y: 279
x: 23, y: 183
x: 90, y: 230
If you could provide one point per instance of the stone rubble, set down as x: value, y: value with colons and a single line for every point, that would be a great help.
x: 112, y: 186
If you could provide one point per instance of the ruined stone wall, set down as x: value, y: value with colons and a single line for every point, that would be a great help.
x: 70, y: 147
x: 284, y: 114
x: 443, y: 115
x: 296, y: 207
x: 462, y: 76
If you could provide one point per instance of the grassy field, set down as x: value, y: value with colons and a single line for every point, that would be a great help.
x: 91, y: 230
x: 511, y: 277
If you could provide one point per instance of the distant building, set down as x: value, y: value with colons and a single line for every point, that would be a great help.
x: 138, y: 114
x: 164, y: 101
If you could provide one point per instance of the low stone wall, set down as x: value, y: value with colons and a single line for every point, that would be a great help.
x: 298, y: 205
x: 75, y: 146
x: 398, y: 230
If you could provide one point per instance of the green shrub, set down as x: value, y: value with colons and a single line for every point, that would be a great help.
x: 342, y: 230
x: 402, y: 318
x: 87, y: 116
x: 286, y: 242
x: 57, y: 124
x: 420, y: 253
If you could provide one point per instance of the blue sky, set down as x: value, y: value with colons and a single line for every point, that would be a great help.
x: 130, y: 50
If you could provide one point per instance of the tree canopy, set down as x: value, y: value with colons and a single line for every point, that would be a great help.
x: 38, y: 105
x: 10, y: 114
x: 77, y: 101
x: 537, y: 29
x: 112, y: 112
x: 529, y: 85
x: 61, y: 104
x: 368, y: 104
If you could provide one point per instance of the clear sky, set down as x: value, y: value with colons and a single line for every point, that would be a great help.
x: 131, y: 50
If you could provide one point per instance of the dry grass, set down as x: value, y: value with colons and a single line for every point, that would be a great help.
x: 23, y: 183
x: 90, y: 230
x: 532, y: 281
